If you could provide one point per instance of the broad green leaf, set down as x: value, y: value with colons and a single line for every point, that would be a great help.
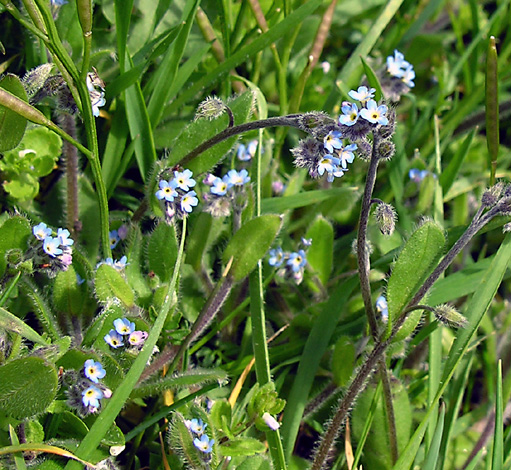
x: 377, y: 444
x: 27, y: 387
x: 278, y: 205
x: 256, y: 462
x: 110, y: 284
x: 162, y: 251
x: 250, y: 243
x: 343, y: 361
x: 320, y: 253
x: 12, y: 125
x: 68, y: 296
x: 201, y: 130
x: 136, y: 278
x: 22, y: 187
x: 242, y: 446
x: 415, y: 262
x: 14, y: 233
x: 197, y: 240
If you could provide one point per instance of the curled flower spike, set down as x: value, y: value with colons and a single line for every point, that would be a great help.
x: 123, y: 326
x: 167, y: 190
x: 204, y: 444
x: 41, y: 231
x: 93, y: 370
x: 375, y: 114
x: 114, y: 339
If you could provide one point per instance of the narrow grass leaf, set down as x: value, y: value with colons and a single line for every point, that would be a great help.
x: 372, y: 79
x: 492, y: 108
x: 432, y: 457
x: 497, y: 457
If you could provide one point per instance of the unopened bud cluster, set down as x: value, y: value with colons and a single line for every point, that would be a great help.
x: 449, y: 316
x: 386, y: 217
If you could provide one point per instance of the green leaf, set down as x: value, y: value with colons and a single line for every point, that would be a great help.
x: 201, y: 130
x: 242, y: 446
x: 250, y: 243
x: 372, y: 79
x: 68, y: 296
x: 377, y: 445
x: 162, y: 251
x: 320, y: 253
x: 12, y: 125
x: 27, y: 387
x: 343, y: 361
x: 10, y: 322
x: 109, y: 284
x: 432, y: 458
x: 257, y: 462
x: 14, y: 233
x: 416, y: 261
x: 22, y: 187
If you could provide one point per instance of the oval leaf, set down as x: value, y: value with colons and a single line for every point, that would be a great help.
x: 320, y: 253
x: 12, y: 125
x: 67, y: 294
x: 415, y: 263
x: 27, y: 387
x: 162, y: 251
x: 250, y: 243
x: 14, y: 233
x: 109, y: 283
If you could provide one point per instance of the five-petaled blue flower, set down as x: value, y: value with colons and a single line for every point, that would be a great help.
x: 123, y: 326
x: 375, y: 114
x: 167, y: 190
x: 349, y: 114
x: 220, y: 186
x: 328, y: 163
x: 276, y: 257
x: 333, y: 141
x: 396, y: 65
x: 188, y: 201
x: 297, y: 260
x: 363, y: 94
x: 197, y: 426
x: 204, y: 444
x: 63, y: 236
x: 91, y: 396
x: 236, y: 178
x: 41, y: 231
x: 346, y: 155
x: 51, y: 246
x: 93, y: 370
x: 184, y: 179
x: 113, y: 339
x: 114, y: 238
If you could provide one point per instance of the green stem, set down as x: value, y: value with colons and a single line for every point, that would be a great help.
x: 9, y: 287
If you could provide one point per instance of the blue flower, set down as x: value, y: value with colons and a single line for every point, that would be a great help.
x: 408, y: 76
x: 58, y: 3
x: 197, y: 426
x: 184, y: 180
x: 204, y: 444
x: 219, y: 186
x: 114, y: 238
x: 63, y: 236
x: 396, y: 65
x: 121, y: 264
x: 349, y: 114
x: 113, y: 339
x: 188, y: 201
x: 245, y: 153
x: 346, y: 155
x: 93, y: 370
x: 41, y: 231
x: 381, y: 307
x: 276, y: 257
x: 237, y: 179
x: 375, y: 114
x: 51, y: 246
x: 97, y: 99
x: 297, y: 260
x: 328, y: 164
x: 167, y: 190
x: 363, y: 94
x: 123, y: 326
x: 333, y: 141
x: 91, y: 396
x: 337, y: 172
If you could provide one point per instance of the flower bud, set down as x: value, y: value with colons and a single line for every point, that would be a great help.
x: 386, y: 218
x: 449, y: 316
x: 211, y: 108
x: 34, y: 79
x: 492, y: 195
x: 386, y: 149
x: 271, y: 422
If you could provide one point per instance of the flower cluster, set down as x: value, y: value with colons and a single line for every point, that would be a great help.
x: 226, y: 193
x: 397, y: 77
x: 176, y: 194
x: 247, y: 152
x: 125, y: 330
x: 58, y: 248
x: 291, y: 264
x: 201, y: 441
x: 86, y: 391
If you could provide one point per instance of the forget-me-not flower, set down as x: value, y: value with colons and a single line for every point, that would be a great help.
x: 328, y: 164
x: 349, y: 114
x: 333, y: 141
x: 63, y: 236
x: 123, y: 326
x: 114, y: 238
x: 93, y: 370
x: 276, y: 257
x: 297, y: 260
x: 41, y: 231
x: 375, y: 114
x: 363, y: 94
x: 197, y: 426
x: 113, y: 339
x: 236, y: 178
x: 184, y: 179
x: 51, y: 246
x: 167, y: 190
x: 91, y: 396
x: 219, y: 186
x: 346, y: 155
x: 204, y: 444
x: 188, y: 201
